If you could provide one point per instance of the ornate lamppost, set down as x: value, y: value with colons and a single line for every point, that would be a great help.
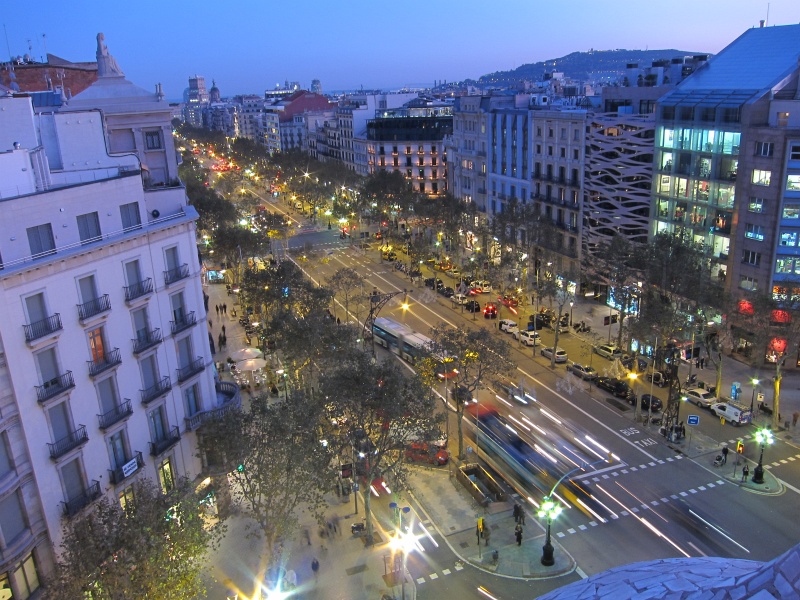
x: 764, y: 437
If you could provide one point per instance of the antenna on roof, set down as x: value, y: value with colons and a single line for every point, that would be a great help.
x: 44, y: 44
x: 10, y: 58
x: 766, y: 21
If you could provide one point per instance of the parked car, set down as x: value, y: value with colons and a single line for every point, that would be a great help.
x: 584, y: 372
x: 390, y: 256
x: 617, y: 387
x: 700, y: 397
x: 608, y: 351
x: 459, y: 299
x: 733, y: 412
x: 561, y: 354
x: 432, y: 282
x: 455, y: 272
x: 529, y: 338
x: 539, y: 320
x: 641, y: 363
x: 484, y: 286
x: 490, y: 311
x: 447, y: 292
x: 563, y: 324
x: 507, y: 325
x: 651, y: 403
x: 508, y: 300
x: 472, y: 306
x: 658, y: 378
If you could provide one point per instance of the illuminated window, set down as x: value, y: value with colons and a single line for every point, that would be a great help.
x: 784, y: 265
x: 754, y: 232
x: 791, y: 211
x: 783, y: 119
x: 748, y: 283
x: 793, y: 183
x: 788, y: 238
x: 756, y: 205
x: 751, y: 258
x: 761, y: 177
x: 794, y: 153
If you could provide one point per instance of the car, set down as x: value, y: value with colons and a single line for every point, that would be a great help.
x: 733, y: 412
x: 529, y: 338
x: 459, y: 299
x: 560, y: 353
x: 617, y: 387
x: 608, y: 351
x: 378, y: 235
x: 641, y: 364
x: 414, y: 273
x: 390, y: 256
x: 472, y: 306
x: 582, y: 371
x: 490, y: 311
x: 432, y: 282
x: 658, y: 378
x: 539, y: 320
x: 485, y: 286
x: 508, y: 300
x: 700, y: 397
x: 455, y: 273
x: 507, y: 325
x: 447, y: 292
x: 563, y: 326
x: 651, y: 403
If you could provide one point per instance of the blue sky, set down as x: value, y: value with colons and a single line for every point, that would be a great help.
x: 251, y: 45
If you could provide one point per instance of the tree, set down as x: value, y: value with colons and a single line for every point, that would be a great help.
x: 472, y: 356
x: 153, y: 547
x: 346, y: 281
x: 561, y: 289
x: 234, y: 244
x: 383, y: 410
x: 276, y: 463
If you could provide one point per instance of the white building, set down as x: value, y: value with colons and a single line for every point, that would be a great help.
x: 104, y: 356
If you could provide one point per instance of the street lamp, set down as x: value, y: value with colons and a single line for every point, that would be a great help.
x: 548, y: 510
x: 404, y: 542
x: 763, y: 437
x: 753, y: 397
x: 633, y: 377
x: 571, y: 304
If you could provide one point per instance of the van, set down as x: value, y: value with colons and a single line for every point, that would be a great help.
x: 729, y: 410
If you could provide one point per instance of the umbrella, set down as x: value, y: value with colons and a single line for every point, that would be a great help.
x: 245, y: 353
x: 251, y: 364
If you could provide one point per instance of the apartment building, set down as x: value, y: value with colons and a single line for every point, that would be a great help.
x: 104, y: 356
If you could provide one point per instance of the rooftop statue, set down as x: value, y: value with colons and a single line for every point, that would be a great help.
x: 106, y: 65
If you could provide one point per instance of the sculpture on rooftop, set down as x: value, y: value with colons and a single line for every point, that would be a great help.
x: 106, y: 64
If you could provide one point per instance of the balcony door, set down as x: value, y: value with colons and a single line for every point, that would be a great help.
x: 141, y: 324
x: 59, y: 421
x: 133, y: 272
x: 116, y: 450
x: 149, y: 369
x: 48, y: 365
x: 107, y: 391
x: 87, y: 288
x: 171, y: 258
x: 72, y: 478
x: 96, y: 345
x: 37, y: 310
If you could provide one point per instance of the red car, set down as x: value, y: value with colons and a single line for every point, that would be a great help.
x: 490, y: 311
x: 509, y: 301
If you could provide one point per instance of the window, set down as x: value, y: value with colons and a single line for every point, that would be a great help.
x: 89, y: 228
x: 87, y: 288
x: 784, y: 265
x: 6, y: 464
x: 36, y: 308
x: 171, y: 259
x: 751, y: 258
x: 149, y: 369
x: 47, y: 363
x: 550, y: 132
x: 165, y: 476
x: 152, y: 140
x: 97, y: 346
x: 131, y: 219
x: 575, y: 154
x: 538, y: 148
x: 192, y: 397
x: 783, y: 119
x: 133, y: 272
x: 748, y: 283
x: 126, y: 497
x: 756, y: 205
x: 26, y: 577
x: 761, y: 177
x: 788, y: 238
x: 794, y: 153
x: 793, y: 183
x: 73, y: 480
x: 764, y: 148
x: 41, y: 241
x: 754, y: 232
x: 12, y: 518
x: 549, y: 151
x: 563, y: 153
x: 791, y: 211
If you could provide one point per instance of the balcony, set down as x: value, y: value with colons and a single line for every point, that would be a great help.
x: 40, y: 329
x: 193, y: 368
x: 165, y: 442
x: 155, y: 391
x: 104, y: 363
x: 115, y: 415
x: 139, y: 289
x: 54, y: 387
x: 131, y: 467
x: 176, y: 274
x: 94, y: 307
x: 231, y: 400
x: 69, y: 442
x: 146, y: 340
x: 74, y: 505
x: 182, y: 323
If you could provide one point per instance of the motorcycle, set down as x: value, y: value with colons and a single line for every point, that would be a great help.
x: 691, y: 379
x: 358, y: 528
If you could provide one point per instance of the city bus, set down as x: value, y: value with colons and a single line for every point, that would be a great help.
x: 408, y: 344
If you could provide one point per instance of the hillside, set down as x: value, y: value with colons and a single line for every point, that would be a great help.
x: 595, y: 64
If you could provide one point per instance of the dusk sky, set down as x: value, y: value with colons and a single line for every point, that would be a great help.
x: 252, y: 45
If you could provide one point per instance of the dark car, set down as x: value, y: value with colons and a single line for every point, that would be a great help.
x: 414, y: 273
x: 390, y: 256
x: 473, y: 306
x: 490, y: 311
x: 619, y: 388
x: 651, y: 403
x: 433, y: 282
x: 447, y: 292
x: 539, y: 320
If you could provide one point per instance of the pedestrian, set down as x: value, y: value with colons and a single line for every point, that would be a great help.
x: 745, y: 473
x: 336, y: 528
x: 683, y: 430
x: 315, y: 567
x: 331, y: 529
x: 487, y: 533
x: 795, y: 416
x: 225, y: 309
x: 724, y: 454
x: 307, y: 535
x: 521, y: 516
x: 518, y: 534
x: 216, y: 306
x: 703, y: 363
x: 225, y: 340
x: 223, y: 328
x: 516, y: 513
x: 697, y: 363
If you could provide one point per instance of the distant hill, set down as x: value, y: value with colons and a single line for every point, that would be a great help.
x: 595, y: 64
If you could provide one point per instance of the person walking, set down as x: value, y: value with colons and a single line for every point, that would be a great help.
x: 518, y: 534
x: 703, y: 363
x: 795, y: 416
x: 516, y: 513
x: 315, y: 567
x: 216, y: 306
x: 223, y: 328
x: 724, y: 454
x: 225, y: 309
x: 521, y: 516
x: 745, y: 472
x: 487, y: 533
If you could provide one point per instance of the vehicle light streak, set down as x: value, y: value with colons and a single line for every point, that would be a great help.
x: 534, y: 425
x: 641, y: 502
x: 541, y: 451
x: 518, y: 422
x: 586, y: 507
x: 428, y: 535
x: 550, y: 416
x: 564, y: 502
x: 718, y: 530
x: 510, y: 428
x: 486, y: 593
x: 504, y: 401
x: 646, y: 523
x: 603, y: 448
x: 590, y: 449
x: 519, y: 399
x: 531, y: 398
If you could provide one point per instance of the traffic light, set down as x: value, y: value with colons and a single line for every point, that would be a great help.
x: 240, y: 468
x: 740, y: 446
x: 480, y: 525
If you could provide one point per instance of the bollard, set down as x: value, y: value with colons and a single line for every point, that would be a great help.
x: 495, y: 556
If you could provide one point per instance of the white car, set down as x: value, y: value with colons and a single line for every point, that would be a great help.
x: 508, y: 325
x: 561, y: 354
x: 459, y: 299
x: 700, y: 397
x: 582, y: 371
x: 608, y: 351
x: 529, y: 338
x: 484, y: 286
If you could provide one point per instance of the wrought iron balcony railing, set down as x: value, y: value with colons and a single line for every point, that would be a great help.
x: 39, y: 329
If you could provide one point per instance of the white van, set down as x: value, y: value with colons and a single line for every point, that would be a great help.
x: 737, y: 414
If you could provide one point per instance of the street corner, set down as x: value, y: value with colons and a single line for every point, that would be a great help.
x: 771, y: 486
x: 520, y: 562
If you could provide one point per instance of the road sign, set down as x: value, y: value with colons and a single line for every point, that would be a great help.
x: 693, y: 420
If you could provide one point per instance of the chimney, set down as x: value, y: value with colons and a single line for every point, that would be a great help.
x: 761, y: 23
